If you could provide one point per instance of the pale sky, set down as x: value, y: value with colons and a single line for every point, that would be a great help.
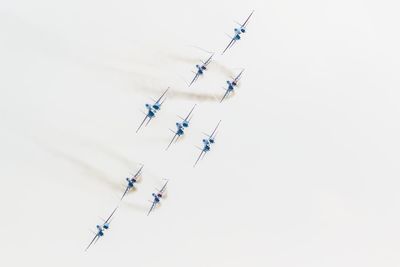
x: 305, y: 168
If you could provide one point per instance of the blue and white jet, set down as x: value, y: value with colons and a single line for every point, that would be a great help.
x: 101, y: 229
x: 157, y: 197
x: 231, y: 85
x: 201, y: 69
x: 132, y: 181
x: 238, y: 31
x: 207, y: 144
x: 153, y: 109
x: 181, y: 127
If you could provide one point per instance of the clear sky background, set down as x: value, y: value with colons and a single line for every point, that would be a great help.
x: 305, y: 169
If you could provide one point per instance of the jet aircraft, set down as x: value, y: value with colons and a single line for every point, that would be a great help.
x: 152, y: 109
x: 101, y: 229
x: 157, y: 197
x: 131, y: 181
x: 201, y: 69
x: 181, y: 127
x: 238, y: 32
x: 207, y: 144
x: 231, y: 85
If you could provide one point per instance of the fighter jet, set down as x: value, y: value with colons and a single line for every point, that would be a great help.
x: 157, y: 197
x: 181, y: 127
x: 238, y: 31
x: 207, y: 144
x: 201, y: 69
x: 231, y: 85
x: 152, y: 109
x: 101, y: 229
x: 131, y: 181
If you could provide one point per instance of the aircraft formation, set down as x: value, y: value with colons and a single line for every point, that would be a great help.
x: 181, y: 126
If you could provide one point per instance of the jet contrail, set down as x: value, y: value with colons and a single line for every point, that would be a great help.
x: 180, y: 58
x: 201, y: 49
x: 135, y: 206
x: 144, y: 82
x: 225, y: 70
x: 90, y: 171
x: 111, y: 153
x: 174, y: 94
x: 203, y: 97
x: 215, y: 64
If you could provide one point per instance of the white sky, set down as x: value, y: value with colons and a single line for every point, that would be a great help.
x: 304, y: 173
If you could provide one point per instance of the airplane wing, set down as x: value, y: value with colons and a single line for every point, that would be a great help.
x: 238, y: 77
x: 190, y: 112
x: 171, y: 141
x: 194, y: 79
x: 138, y: 172
x: 162, y: 102
x: 158, y: 100
x: 126, y: 191
x: 164, y: 187
x: 93, y: 240
x: 233, y: 40
x: 231, y: 43
x: 140, y: 126
x: 201, y: 154
x: 109, y: 217
x: 247, y: 20
x: 152, y: 207
x: 225, y: 95
x: 208, y: 60
x: 212, y: 135
x: 149, y: 121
